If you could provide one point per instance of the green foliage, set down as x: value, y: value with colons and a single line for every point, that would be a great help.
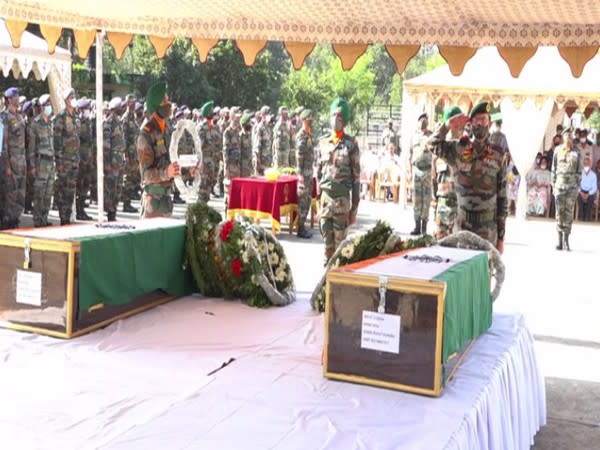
x: 593, y: 122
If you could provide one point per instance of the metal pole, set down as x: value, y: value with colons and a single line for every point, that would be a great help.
x: 99, y: 125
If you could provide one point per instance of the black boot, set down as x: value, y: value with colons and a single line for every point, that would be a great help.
x: 417, y: 229
x: 111, y: 216
x: 566, y: 239
x: 423, y: 226
x: 176, y: 200
x: 560, y: 241
x: 65, y: 221
x: 128, y: 208
x: 82, y: 215
x: 304, y: 233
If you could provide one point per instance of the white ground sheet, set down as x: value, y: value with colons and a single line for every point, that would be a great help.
x: 142, y: 383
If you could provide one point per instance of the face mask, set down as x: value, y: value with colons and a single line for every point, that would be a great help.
x: 73, y: 103
x: 48, y: 110
x: 543, y: 166
x: 164, y: 111
x: 480, y: 132
x: 582, y: 140
x: 336, y: 123
x: 586, y: 169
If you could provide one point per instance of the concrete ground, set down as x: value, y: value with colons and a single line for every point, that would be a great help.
x: 557, y: 291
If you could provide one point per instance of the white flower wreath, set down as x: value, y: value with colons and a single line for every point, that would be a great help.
x: 194, y: 160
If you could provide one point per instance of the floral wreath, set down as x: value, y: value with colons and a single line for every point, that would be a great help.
x: 189, y: 126
x: 237, y: 259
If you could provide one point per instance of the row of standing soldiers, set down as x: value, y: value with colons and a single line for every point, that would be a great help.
x: 56, y: 155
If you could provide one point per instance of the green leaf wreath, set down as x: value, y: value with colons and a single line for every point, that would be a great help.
x: 379, y: 240
x: 237, y: 259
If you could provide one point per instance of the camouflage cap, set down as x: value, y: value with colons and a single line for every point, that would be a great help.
x: 451, y: 112
x: 27, y: 105
x: 155, y: 95
x: 299, y: 110
x: 68, y: 93
x: 83, y: 103
x: 265, y: 110
x: 114, y: 103
x: 281, y: 109
x: 481, y: 107
x: 341, y: 106
x: 306, y: 113
x: 45, y: 99
x: 207, y: 109
x: 245, y: 119
x: 22, y: 100
x: 130, y: 97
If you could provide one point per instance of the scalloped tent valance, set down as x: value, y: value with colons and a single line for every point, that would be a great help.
x: 457, y: 27
x: 32, y: 57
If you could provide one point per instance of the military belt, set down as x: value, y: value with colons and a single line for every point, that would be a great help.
x: 43, y: 155
x: 476, y: 218
x: 157, y: 189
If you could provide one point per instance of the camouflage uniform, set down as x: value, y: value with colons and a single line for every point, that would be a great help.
x: 261, y: 147
x: 304, y: 169
x: 281, y: 144
x: 87, y: 166
x: 566, y: 176
x: 339, y: 182
x: 421, y: 160
x: 211, y: 145
x: 245, y: 153
x: 480, y: 181
x: 30, y: 179
x: 66, y: 146
x: 153, y: 156
x: 40, y: 154
x: 445, y: 211
x: 231, y: 154
x: 114, y: 161
x: 13, y: 160
x: 293, y: 160
x: 220, y: 178
x: 186, y: 147
x: 131, y: 180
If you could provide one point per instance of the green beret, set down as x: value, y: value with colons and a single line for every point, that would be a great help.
x: 155, y: 96
x: 481, y: 107
x: 341, y: 106
x: 305, y: 113
x: 245, y: 119
x: 207, y: 109
x: 451, y: 112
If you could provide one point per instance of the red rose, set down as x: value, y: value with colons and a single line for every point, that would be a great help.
x: 226, y: 230
x: 236, y: 267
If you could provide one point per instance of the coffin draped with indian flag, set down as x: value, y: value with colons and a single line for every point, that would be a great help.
x: 405, y: 321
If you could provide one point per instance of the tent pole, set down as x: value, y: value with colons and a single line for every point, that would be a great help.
x: 99, y: 125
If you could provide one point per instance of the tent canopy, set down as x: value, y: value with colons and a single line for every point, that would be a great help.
x: 457, y: 27
x: 486, y: 75
x: 32, y: 56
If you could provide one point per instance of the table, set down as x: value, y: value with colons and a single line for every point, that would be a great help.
x: 142, y: 383
x: 259, y: 198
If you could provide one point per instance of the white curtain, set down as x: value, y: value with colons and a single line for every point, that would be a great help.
x: 524, y: 129
x: 411, y: 109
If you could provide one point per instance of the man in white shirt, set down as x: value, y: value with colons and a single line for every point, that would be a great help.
x: 588, y: 188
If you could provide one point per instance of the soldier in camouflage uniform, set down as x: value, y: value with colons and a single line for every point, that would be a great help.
x: 232, y: 152
x: 220, y: 172
x: 13, y: 159
x: 66, y: 147
x: 339, y: 180
x: 480, y: 175
x: 211, y: 144
x: 566, y: 176
x: 114, y: 158
x: 40, y: 154
x: 156, y: 171
x: 261, y: 144
x: 29, y: 116
x: 86, y: 164
x: 421, y: 160
x: 131, y: 178
x: 304, y: 169
x: 281, y: 139
x: 445, y: 192
x: 246, y: 146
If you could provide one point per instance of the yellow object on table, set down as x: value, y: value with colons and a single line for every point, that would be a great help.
x: 272, y: 174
